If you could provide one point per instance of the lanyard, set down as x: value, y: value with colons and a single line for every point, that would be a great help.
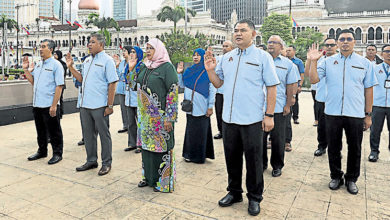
x: 385, y: 69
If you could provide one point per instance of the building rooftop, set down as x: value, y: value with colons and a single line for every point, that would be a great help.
x: 337, y: 6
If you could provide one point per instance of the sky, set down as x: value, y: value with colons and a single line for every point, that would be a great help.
x: 145, y: 7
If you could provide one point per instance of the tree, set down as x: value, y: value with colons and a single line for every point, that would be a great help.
x: 277, y: 24
x: 11, y: 23
x: 174, y: 15
x: 305, y: 39
x: 103, y: 24
x: 181, y: 46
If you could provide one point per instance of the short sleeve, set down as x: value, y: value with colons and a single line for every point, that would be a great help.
x: 301, y: 67
x: 269, y: 72
x: 321, y: 69
x: 219, y: 70
x: 59, y: 74
x: 370, y: 79
x: 292, y: 76
x: 110, y: 71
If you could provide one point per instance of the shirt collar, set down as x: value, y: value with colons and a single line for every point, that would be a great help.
x: 99, y: 54
x: 246, y: 51
x: 350, y: 56
x: 279, y: 57
x: 48, y: 60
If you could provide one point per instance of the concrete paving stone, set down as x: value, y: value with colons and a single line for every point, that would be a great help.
x: 10, y: 175
x: 35, y: 211
x: 9, y: 203
x: 350, y: 209
x: 302, y: 214
x: 319, y: 192
x: 150, y: 211
x: 179, y: 215
x: 310, y: 204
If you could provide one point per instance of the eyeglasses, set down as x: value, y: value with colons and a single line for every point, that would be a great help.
x: 273, y: 42
x: 343, y: 39
x: 133, y: 51
x: 149, y: 48
x: 386, y: 51
x: 330, y: 45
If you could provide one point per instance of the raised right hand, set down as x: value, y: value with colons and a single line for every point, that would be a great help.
x: 132, y: 63
x: 26, y: 64
x: 313, y: 53
x: 69, y: 60
x: 180, y: 67
x: 210, y: 63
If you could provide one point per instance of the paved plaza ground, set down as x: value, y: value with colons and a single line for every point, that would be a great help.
x: 36, y: 190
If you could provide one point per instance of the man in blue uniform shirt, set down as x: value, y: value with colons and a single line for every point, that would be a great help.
x: 244, y: 72
x: 48, y: 80
x: 348, y: 107
x: 381, y: 106
x: 284, y: 100
x: 98, y: 80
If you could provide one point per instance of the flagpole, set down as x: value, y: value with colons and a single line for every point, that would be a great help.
x: 70, y: 27
x: 186, y: 16
x: 290, y: 9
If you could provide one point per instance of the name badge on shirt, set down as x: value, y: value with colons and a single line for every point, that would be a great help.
x: 49, y: 70
x: 253, y: 64
x: 387, y: 84
x: 98, y: 65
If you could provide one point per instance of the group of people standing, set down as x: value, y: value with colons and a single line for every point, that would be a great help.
x: 254, y: 93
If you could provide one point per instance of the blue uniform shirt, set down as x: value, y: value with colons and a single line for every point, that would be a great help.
x: 321, y: 85
x: 98, y: 72
x: 220, y: 89
x: 200, y: 103
x: 131, y: 96
x: 180, y: 80
x: 346, y: 77
x: 299, y: 63
x: 287, y: 75
x: 121, y: 85
x: 244, y: 74
x: 47, y: 76
x: 381, y: 94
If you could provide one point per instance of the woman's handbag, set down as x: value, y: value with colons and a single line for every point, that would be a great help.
x: 187, y: 105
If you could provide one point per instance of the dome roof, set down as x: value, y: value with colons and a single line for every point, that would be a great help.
x: 89, y: 4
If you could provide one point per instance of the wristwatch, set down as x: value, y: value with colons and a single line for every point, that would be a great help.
x: 269, y: 115
x: 110, y: 106
x: 369, y: 114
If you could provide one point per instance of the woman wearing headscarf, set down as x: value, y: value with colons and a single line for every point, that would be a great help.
x: 135, y: 54
x: 58, y: 56
x: 157, y: 92
x: 198, y: 140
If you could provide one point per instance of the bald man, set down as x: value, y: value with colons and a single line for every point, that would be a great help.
x: 227, y: 46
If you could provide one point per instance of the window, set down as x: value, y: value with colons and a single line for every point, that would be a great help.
x: 331, y: 33
x: 358, y: 34
x: 378, y: 34
x: 371, y: 33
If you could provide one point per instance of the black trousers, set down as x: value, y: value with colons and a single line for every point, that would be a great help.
x: 218, y: 110
x: 288, y: 128
x: 48, y: 126
x: 277, y: 142
x: 321, y: 128
x: 247, y: 140
x: 315, y: 106
x: 353, y: 128
x: 295, y: 108
x: 378, y: 118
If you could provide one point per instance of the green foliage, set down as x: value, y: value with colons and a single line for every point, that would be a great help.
x: 11, y: 23
x: 103, y: 24
x: 174, y: 15
x: 181, y: 46
x: 305, y: 39
x: 277, y: 24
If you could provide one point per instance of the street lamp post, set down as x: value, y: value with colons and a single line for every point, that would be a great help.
x: 70, y: 26
x: 17, y: 7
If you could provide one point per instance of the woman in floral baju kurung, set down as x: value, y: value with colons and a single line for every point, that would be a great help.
x: 157, y: 112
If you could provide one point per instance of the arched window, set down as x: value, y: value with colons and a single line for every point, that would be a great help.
x: 358, y: 34
x: 378, y: 34
x: 370, y: 33
x: 298, y: 29
x: 258, y: 40
x: 303, y: 29
x: 331, y: 33
x: 146, y: 39
x: 338, y: 33
x: 142, y: 40
x: 130, y: 42
x: 351, y: 29
x: 294, y: 30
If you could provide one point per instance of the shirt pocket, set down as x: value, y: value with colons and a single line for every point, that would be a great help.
x: 252, y: 71
x: 357, y: 73
x: 281, y: 71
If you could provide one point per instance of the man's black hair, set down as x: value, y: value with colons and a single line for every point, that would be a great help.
x: 329, y: 38
x: 384, y: 46
x: 293, y: 47
x: 372, y: 45
x: 346, y: 31
x: 248, y: 22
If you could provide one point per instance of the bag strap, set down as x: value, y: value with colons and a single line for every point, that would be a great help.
x: 193, y: 91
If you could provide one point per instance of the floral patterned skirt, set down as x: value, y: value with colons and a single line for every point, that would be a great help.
x: 159, y: 170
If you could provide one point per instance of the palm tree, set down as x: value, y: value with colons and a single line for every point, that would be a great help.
x: 11, y: 23
x: 103, y: 24
x: 174, y: 15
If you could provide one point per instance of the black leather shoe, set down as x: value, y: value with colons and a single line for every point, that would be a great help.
x: 335, y: 184
x: 319, y: 152
x: 277, y: 172
x: 351, y: 187
x: 253, y: 208
x: 87, y: 166
x: 36, y: 156
x: 296, y: 121
x: 81, y: 142
x: 218, y: 136
x: 373, y: 157
x: 55, y: 159
x: 104, y: 170
x: 130, y: 148
x: 122, y: 130
x: 229, y: 200
x: 142, y: 183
